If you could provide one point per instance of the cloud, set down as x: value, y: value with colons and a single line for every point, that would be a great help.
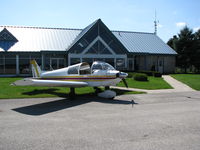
x: 180, y: 24
x: 196, y: 28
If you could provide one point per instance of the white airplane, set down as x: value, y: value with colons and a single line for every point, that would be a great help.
x: 78, y: 75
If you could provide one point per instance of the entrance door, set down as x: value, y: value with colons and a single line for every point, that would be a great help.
x: 57, y: 63
x: 160, y: 65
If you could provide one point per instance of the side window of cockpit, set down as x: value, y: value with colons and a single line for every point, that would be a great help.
x: 97, y: 67
x: 107, y: 67
x: 73, y: 70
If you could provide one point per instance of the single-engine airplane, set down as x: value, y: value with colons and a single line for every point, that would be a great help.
x: 78, y: 75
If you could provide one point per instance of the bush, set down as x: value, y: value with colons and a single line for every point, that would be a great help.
x: 149, y: 73
x: 130, y: 74
x: 157, y: 74
x: 140, y: 77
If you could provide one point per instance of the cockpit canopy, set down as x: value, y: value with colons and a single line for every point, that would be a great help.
x: 99, y: 65
x: 81, y: 68
x: 84, y: 68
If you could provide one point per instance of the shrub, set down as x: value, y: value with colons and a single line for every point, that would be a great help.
x: 149, y: 73
x: 157, y: 74
x: 130, y: 74
x: 140, y: 77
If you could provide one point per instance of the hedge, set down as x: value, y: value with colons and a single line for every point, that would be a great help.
x: 140, y: 77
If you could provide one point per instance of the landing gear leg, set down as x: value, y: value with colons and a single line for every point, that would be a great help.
x: 107, y: 88
x: 97, y: 90
x: 72, y: 92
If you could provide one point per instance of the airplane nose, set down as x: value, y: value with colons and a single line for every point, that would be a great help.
x: 122, y: 75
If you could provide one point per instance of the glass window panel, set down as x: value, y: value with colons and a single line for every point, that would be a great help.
x: 61, y: 63
x: 120, y: 63
x: 97, y: 66
x: 2, y: 65
x: 88, y: 60
x: 10, y: 66
x: 73, y: 70
x: 24, y: 66
x: 99, y: 59
x: 110, y: 61
x: 98, y: 48
x: 46, y: 63
x: 24, y: 56
x: 74, y: 61
x: 1, y: 69
x: 92, y: 51
x: 103, y: 49
x: 54, y: 64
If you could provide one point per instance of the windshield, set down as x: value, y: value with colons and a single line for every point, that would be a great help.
x: 98, y: 65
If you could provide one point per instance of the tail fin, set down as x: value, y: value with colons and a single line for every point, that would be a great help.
x: 36, y: 71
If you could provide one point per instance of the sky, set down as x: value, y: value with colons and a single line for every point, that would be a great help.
x: 122, y: 15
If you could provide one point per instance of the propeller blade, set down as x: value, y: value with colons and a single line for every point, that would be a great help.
x: 125, y: 83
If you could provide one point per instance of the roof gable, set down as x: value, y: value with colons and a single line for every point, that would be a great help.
x: 5, y: 35
x: 90, y: 33
x: 7, y: 40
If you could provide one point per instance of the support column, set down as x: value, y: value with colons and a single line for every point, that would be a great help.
x: 17, y: 64
x: 69, y: 59
x: 42, y: 61
x: 115, y: 63
x: 126, y: 62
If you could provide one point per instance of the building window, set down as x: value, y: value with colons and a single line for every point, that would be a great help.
x: 24, y: 62
x: 120, y: 63
x: 74, y: 61
x: 10, y: 65
x: 98, y: 48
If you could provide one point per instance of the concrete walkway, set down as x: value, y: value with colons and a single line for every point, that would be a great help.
x: 177, y: 86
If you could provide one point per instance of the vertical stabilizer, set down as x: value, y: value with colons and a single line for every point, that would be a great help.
x: 36, y: 71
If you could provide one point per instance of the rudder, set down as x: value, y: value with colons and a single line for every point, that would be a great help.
x: 36, y: 71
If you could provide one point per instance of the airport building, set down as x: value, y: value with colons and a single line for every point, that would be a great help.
x: 55, y: 48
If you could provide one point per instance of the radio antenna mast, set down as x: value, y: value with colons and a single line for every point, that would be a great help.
x: 155, y: 23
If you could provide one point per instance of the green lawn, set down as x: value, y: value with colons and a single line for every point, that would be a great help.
x: 153, y: 83
x: 192, y: 80
x: 8, y: 91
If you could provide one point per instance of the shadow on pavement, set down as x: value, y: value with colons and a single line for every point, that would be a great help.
x: 48, y: 107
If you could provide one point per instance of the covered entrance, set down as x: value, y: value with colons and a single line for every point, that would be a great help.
x: 97, y: 42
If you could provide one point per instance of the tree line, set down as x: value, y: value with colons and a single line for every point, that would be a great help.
x: 187, y: 45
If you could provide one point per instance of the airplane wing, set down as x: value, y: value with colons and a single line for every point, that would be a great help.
x: 49, y: 83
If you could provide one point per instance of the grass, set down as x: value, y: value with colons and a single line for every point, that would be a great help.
x: 153, y: 83
x: 192, y: 80
x: 7, y: 91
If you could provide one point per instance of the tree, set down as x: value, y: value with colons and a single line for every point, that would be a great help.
x: 196, y: 56
x: 183, y: 44
x: 172, y: 42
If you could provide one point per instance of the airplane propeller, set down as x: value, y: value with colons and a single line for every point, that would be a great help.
x: 125, y: 83
x: 123, y: 75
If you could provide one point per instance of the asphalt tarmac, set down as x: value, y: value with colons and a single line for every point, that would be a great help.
x: 141, y: 122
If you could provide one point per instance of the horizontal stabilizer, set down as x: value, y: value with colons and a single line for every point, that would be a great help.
x: 23, y: 82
